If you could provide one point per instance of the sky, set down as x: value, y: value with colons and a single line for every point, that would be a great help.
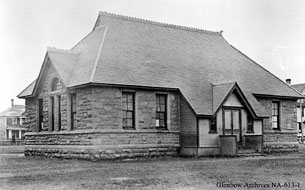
x: 270, y: 32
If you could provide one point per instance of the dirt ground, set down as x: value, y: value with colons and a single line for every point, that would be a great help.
x: 271, y: 172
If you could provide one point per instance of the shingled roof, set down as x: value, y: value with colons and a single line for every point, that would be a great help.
x: 13, y: 111
x: 130, y: 51
x: 299, y: 87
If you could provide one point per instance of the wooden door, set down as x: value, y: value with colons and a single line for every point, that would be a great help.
x: 232, y: 123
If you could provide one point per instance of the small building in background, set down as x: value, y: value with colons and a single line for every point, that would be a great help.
x: 300, y: 107
x: 12, y: 126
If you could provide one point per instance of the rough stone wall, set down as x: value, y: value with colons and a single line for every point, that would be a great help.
x: 288, y: 119
x: 45, y: 114
x: 46, y: 79
x: 146, y: 110
x: 99, y: 109
x: 64, y: 106
x: 98, y: 154
x: 44, y: 92
x: 107, y: 108
x: 104, y: 138
x: 30, y: 114
x: 107, y: 105
x: 84, y: 108
x: 285, y: 139
x: 279, y: 148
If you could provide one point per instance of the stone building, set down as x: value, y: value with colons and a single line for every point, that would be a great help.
x: 12, y: 126
x: 134, y: 87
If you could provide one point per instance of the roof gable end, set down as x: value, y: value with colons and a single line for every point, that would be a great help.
x: 222, y: 92
x: 46, y: 62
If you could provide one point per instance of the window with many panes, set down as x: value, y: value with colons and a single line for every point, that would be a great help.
x: 161, y: 111
x: 52, y: 113
x: 59, y: 112
x: 275, y: 115
x: 128, y: 114
x: 73, y: 110
x: 40, y: 115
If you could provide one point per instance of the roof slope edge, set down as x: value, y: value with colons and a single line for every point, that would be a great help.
x: 300, y: 95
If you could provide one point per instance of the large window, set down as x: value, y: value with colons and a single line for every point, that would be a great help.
x: 56, y: 85
x: 52, y: 113
x: 161, y: 111
x: 128, y: 110
x: 275, y: 115
x: 59, y: 112
x: 40, y: 114
x: 73, y: 111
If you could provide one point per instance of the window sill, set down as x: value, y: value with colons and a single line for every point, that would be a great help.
x: 250, y: 132
x: 162, y: 128
x: 213, y: 132
x: 129, y: 128
x: 277, y: 130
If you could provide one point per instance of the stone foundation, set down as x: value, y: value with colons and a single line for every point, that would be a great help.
x: 95, y: 153
x: 280, y: 142
x: 100, y: 145
x: 280, y: 148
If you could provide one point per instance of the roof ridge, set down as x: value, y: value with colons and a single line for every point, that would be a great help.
x: 219, y: 83
x: 103, y: 13
x: 64, y: 51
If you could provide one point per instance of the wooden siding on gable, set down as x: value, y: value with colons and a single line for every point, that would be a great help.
x: 233, y: 100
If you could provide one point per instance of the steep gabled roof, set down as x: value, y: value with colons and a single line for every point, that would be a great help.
x: 64, y: 61
x: 220, y: 92
x: 223, y: 90
x: 130, y: 51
